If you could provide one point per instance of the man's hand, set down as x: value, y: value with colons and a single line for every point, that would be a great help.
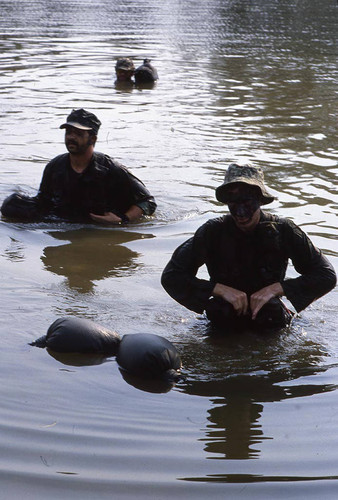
x: 133, y: 213
x: 236, y: 298
x: 261, y: 297
x: 107, y: 218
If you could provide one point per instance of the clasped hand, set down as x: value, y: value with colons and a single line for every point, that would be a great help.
x: 240, y: 301
x: 107, y: 218
x: 133, y: 213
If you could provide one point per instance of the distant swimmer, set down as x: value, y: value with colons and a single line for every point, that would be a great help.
x: 146, y: 73
x: 124, y: 69
x: 83, y: 185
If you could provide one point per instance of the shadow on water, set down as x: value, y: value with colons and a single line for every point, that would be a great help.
x: 241, y: 372
x: 151, y: 385
x: 78, y: 359
x: 129, y: 87
x: 155, y: 386
x: 91, y: 255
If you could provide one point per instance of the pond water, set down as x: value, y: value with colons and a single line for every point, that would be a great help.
x: 255, y: 417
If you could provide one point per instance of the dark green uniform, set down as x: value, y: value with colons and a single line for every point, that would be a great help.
x: 247, y: 262
x: 105, y: 186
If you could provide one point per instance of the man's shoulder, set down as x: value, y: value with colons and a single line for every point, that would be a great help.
x: 60, y: 161
x: 105, y: 161
x: 283, y: 225
x: 216, y: 224
x: 223, y: 220
x: 60, y: 157
x: 276, y: 219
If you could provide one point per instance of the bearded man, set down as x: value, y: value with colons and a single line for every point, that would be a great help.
x: 83, y: 185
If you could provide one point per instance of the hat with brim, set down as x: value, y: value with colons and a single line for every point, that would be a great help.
x: 83, y: 120
x: 76, y: 125
x: 244, y: 174
x: 125, y: 64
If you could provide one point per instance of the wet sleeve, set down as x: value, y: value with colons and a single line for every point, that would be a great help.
x: 317, y: 275
x: 142, y: 196
x: 44, y: 196
x: 179, y: 276
x: 132, y: 189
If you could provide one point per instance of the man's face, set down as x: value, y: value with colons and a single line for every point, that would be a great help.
x: 244, y: 206
x: 77, y: 141
x: 124, y: 75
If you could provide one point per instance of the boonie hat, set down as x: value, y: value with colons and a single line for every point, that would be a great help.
x: 246, y: 174
x: 82, y: 119
x: 125, y: 63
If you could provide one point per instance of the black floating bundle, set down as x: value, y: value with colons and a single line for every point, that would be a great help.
x: 143, y: 355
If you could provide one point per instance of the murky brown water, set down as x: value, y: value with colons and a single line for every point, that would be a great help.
x: 255, y: 418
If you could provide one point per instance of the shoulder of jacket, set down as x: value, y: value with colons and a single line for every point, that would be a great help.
x: 285, y: 227
x: 215, y: 225
x: 284, y: 222
x: 108, y: 162
x: 217, y: 221
x: 222, y: 219
x: 60, y: 161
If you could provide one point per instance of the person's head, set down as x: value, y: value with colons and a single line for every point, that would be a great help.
x: 81, y: 131
x: 124, y: 69
x: 244, y: 192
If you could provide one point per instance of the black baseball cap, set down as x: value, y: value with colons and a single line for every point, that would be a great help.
x: 82, y: 119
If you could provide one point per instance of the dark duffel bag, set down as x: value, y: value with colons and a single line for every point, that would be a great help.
x: 18, y: 206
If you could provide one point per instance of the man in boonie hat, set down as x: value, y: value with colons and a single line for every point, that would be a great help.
x: 124, y: 69
x: 244, y: 174
x: 246, y: 253
x: 83, y: 185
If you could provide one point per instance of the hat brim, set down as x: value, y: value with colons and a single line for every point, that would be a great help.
x: 221, y: 191
x: 76, y: 125
x: 123, y: 68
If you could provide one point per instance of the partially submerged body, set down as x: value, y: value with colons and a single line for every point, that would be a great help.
x: 83, y: 185
x: 248, y: 262
x: 246, y: 254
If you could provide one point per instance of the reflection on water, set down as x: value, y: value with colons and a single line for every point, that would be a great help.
x: 77, y: 359
x: 91, y: 255
x: 234, y: 431
x: 259, y: 478
x: 15, y: 250
x: 156, y: 386
x: 239, y: 375
x: 147, y: 385
x: 130, y: 86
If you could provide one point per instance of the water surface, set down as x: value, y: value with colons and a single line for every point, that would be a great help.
x: 255, y: 416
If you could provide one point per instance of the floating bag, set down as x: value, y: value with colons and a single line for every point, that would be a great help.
x: 18, y: 206
x: 148, y: 355
x: 143, y: 355
x: 79, y: 335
